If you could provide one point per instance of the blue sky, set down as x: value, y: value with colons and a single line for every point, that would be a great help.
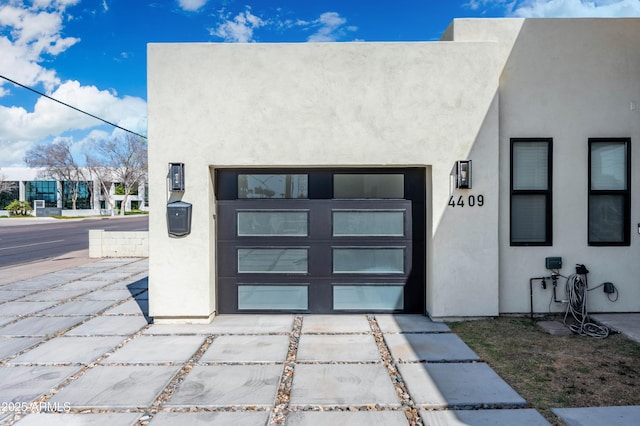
x: 92, y: 53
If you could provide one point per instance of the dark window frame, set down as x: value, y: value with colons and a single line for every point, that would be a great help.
x: 548, y: 193
x: 625, y: 193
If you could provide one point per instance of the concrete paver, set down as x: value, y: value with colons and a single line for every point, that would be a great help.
x: 342, y: 385
x: 520, y: 417
x: 130, y: 307
x: 103, y: 326
x: 41, y: 326
x: 9, y: 295
x: 247, y: 349
x: 116, y: 387
x: 97, y: 352
x: 347, y: 418
x: 228, y: 385
x: 156, y: 349
x: 346, y: 347
x: 20, y: 307
x: 409, y: 324
x: 596, y: 416
x: 63, y: 350
x: 454, y: 385
x: 429, y: 347
x: 211, y: 418
x: 13, y: 345
x: 627, y: 324
x: 335, y: 324
x: 25, y: 384
x: 78, y: 307
x: 93, y: 419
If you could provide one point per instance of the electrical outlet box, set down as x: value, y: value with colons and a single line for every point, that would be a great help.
x: 553, y: 262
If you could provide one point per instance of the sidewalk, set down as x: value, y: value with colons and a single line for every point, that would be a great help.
x: 76, y: 347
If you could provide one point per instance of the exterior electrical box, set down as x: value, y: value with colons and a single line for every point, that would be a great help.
x: 553, y: 262
x: 179, y: 218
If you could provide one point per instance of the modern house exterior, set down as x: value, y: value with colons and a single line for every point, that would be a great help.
x: 34, y: 184
x: 424, y: 177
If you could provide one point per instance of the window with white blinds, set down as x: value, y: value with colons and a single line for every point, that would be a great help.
x: 609, y: 191
x: 531, y: 173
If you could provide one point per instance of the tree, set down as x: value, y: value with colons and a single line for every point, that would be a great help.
x: 103, y: 175
x: 58, y: 163
x: 6, y: 186
x: 126, y: 159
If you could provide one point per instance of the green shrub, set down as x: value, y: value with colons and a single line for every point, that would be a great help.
x: 19, y: 208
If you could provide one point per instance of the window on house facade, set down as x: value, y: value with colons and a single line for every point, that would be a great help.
x: 531, y: 183
x: 609, y: 191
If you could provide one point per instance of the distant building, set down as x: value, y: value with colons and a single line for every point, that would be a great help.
x: 335, y: 177
x: 29, y: 184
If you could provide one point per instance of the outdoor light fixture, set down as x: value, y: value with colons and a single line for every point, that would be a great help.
x: 176, y: 174
x: 463, y: 174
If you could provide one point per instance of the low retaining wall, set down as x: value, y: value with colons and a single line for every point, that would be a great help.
x: 118, y: 243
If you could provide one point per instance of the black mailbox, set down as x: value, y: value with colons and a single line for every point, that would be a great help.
x: 179, y: 218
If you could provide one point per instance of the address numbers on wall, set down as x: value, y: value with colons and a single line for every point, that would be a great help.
x: 466, y: 201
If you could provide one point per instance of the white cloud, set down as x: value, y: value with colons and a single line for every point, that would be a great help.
x: 560, y: 8
x: 332, y: 28
x: 191, y: 5
x: 240, y: 28
x: 20, y: 129
x: 577, y: 8
x: 30, y: 35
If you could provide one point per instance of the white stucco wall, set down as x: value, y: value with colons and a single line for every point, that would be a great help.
x: 570, y: 80
x: 303, y: 105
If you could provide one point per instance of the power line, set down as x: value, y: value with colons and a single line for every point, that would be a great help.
x: 72, y: 107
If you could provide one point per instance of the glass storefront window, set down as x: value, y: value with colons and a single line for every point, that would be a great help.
x: 46, y: 190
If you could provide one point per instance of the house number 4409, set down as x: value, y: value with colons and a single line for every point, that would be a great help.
x: 470, y: 201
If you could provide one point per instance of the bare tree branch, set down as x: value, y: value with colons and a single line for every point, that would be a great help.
x: 126, y: 158
x: 58, y: 162
x: 5, y: 185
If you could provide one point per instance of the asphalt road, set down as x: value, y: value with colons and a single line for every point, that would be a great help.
x: 28, y: 242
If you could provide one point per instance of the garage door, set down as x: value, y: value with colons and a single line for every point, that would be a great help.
x: 320, y: 241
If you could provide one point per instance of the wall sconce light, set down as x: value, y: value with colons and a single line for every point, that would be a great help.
x: 463, y: 174
x: 176, y: 175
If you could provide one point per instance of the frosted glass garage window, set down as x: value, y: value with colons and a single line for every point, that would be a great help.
x: 273, y: 186
x: 273, y: 260
x: 368, y: 297
x: 368, y: 223
x: 368, y: 185
x: 273, y: 297
x: 272, y: 223
x: 368, y: 260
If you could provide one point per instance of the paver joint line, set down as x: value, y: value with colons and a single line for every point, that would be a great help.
x: 410, y: 409
x: 283, y: 396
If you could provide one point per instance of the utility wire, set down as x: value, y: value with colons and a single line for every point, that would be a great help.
x: 72, y: 107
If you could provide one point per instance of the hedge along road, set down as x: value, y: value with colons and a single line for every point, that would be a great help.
x: 29, y: 240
